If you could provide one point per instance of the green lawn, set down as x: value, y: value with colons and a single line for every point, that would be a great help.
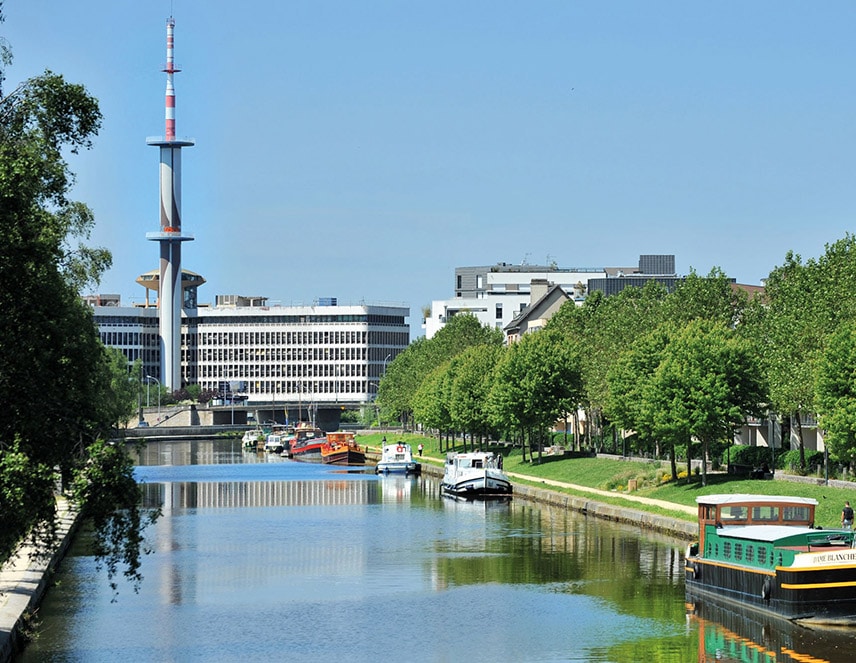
x: 614, y: 475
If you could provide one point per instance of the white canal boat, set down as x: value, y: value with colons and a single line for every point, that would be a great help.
x: 475, y: 474
x: 397, y: 458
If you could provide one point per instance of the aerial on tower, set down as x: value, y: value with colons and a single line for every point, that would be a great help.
x: 169, y: 236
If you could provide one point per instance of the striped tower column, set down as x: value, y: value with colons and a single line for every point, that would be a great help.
x: 169, y: 235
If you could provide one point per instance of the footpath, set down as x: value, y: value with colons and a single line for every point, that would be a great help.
x: 24, y: 580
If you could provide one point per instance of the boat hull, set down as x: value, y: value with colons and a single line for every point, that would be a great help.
x: 483, y: 485
x: 310, y: 453
x: 824, y: 595
x: 398, y: 467
x: 344, y: 457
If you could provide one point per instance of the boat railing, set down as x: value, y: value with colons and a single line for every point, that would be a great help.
x: 827, y: 539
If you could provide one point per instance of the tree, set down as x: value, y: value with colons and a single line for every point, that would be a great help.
x: 472, y: 372
x: 406, y: 372
x: 705, y: 385
x: 61, y: 391
x: 836, y: 393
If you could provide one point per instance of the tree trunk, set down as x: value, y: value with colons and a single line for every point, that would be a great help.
x: 673, y: 462
x: 704, y: 448
x: 802, y: 443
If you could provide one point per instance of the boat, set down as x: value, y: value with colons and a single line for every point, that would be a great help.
x: 764, y: 552
x: 306, y: 443
x: 397, y: 458
x: 475, y: 474
x: 274, y: 443
x: 342, y: 449
x: 251, y: 438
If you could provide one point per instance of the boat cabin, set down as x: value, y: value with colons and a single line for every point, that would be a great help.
x: 744, y: 510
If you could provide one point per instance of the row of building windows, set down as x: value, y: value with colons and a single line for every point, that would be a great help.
x: 259, y: 338
x: 279, y: 354
x: 228, y: 371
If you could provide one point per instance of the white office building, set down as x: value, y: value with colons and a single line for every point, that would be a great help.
x: 325, y: 352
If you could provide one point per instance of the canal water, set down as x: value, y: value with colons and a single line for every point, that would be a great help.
x: 260, y: 558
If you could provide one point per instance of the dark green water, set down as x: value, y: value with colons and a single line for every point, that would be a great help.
x: 265, y: 559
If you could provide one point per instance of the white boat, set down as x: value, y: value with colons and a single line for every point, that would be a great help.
x: 250, y: 440
x: 397, y: 457
x: 275, y: 443
x: 475, y: 474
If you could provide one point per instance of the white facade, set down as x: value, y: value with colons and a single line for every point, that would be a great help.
x: 501, y: 295
x: 330, y: 354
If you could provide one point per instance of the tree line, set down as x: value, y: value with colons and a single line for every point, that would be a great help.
x: 62, y: 391
x: 670, y: 373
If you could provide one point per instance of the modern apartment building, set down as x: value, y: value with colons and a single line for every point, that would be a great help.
x: 498, y: 294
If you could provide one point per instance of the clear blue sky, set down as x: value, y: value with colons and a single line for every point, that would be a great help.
x: 363, y: 150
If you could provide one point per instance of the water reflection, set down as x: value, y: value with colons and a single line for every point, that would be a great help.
x: 733, y: 633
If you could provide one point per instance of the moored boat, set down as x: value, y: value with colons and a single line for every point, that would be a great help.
x: 306, y: 443
x: 763, y: 551
x: 342, y: 449
x: 251, y: 438
x: 397, y: 458
x: 475, y: 474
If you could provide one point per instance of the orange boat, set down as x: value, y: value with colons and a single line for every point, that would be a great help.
x: 342, y: 449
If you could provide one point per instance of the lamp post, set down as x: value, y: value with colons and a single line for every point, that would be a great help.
x: 150, y: 377
x: 383, y: 374
x: 372, y: 383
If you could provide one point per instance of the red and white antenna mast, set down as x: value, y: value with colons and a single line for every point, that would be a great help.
x: 170, y: 238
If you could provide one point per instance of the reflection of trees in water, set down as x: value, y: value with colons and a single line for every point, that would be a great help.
x: 534, y: 544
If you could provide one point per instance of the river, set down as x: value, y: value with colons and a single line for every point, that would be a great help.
x: 259, y: 558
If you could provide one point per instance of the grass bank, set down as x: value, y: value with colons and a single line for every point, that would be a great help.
x: 616, y: 475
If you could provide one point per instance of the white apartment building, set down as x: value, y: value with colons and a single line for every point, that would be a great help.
x: 322, y: 353
x: 497, y: 294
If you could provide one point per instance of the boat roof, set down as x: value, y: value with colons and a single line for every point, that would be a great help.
x: 767, y: 533
x: 743, y: 498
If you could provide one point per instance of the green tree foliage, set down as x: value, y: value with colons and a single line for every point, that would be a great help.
x: 705, y: 385
x: 106, y: 481
x: 406, y: 372
x: 473, y: 371
x: 836, y: 393
x: 805, y: 303
x: 60, y: 389
x: 537, y: 382
x: 431, y: 401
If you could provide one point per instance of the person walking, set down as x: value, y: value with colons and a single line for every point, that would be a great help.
x: 847, y: 516
x: 420, y: 448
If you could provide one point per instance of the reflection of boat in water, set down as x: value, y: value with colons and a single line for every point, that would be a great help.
x: 763, y: 551
x: 475, y: 474
x: 342, y: 449
x: 397, y: 458
x: 306, y: 443
x: 732, y: 632
x: 396, y: 487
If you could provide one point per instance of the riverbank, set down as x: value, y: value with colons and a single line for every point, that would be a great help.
x: 24, y: 580
x: 673, y: 526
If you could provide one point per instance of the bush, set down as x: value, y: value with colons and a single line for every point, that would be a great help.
x: 741, y: 454
x: 790, y: 460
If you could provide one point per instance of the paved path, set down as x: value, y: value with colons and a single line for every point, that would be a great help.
x: 23, y: 581
x: 672, y: 506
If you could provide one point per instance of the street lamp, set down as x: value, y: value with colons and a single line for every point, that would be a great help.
x: 149, y: 377
x: 382, y: 375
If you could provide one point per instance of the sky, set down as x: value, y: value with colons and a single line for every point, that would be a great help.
x: 363, y: 150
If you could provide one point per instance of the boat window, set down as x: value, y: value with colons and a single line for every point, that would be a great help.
x: 750, y: 553
x: 738, y: 551
x: 726, y: 548
x: 765, y: 513
x: 798, y: 513
x: 762, y: 555
x: 732, y: 513
x: 477, y: 463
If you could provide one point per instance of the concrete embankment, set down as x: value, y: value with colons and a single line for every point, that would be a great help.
x: 23, y: 582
